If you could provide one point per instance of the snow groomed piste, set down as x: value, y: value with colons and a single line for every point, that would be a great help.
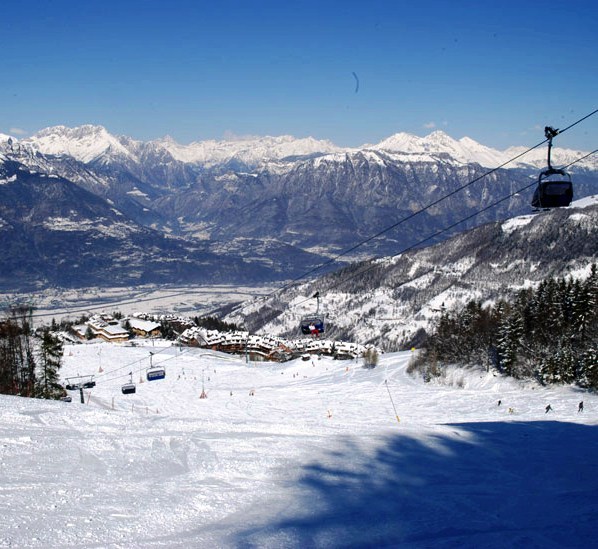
x: 299, y: 454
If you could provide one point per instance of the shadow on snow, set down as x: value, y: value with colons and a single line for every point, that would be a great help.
x: 502, y: 485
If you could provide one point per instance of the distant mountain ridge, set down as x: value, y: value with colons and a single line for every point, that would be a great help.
x: 89, y: 142
x: 279, y: 205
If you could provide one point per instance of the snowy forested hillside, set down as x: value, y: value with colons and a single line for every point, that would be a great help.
x: 386, y: 301
x: 314, y: 457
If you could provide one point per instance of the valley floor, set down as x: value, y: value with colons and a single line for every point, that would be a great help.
x: 180, y: 300
x: 301, y: 454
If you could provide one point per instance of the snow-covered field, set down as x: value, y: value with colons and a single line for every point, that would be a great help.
x: 313, y: 457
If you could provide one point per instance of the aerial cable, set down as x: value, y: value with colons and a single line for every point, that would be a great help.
x: 186, y: 351
x: 155, y: 366
x: 443, y: 230
x: 405, y: 250
x: 421, y: 210
x: 103, y: 374
x: 577, y: 122
x: 439, y: 232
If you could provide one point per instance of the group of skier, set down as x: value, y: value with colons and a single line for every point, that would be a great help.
x: 549, y: 407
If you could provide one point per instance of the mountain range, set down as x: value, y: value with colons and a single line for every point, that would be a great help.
x: 253, y: 209
x: 92, y: 143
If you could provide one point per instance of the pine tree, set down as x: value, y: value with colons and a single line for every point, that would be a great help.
x: 510, y: 335
x: 588, y: 369
x: 89, y: 333
x: 51, y: 351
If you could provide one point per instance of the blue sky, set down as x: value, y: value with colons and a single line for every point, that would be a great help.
x: 496, y: 71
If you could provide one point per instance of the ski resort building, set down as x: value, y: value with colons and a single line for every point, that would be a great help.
x: 108, y: 329
x: 264, y: 347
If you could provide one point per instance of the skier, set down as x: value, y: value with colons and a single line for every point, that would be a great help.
x: 580, y: 407
x: 548, y: 409
x: 499, y: 402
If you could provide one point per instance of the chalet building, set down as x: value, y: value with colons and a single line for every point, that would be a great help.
x: 108, y: 329
x: 144, y: 328
x: 260, y: 347
x: 178, y: 323
x: 80, y: 330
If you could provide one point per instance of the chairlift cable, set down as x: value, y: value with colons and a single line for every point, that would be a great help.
x: 422, y: 209
x: 130, y: 364
x: 447, y: 228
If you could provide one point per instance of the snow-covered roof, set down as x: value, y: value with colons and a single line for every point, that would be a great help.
x: 144, y: 325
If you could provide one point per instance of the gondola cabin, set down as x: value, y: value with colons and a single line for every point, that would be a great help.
x: 555, y: 189
x: 154, y: 374
x: 128, y: 388
x: 312, y: 325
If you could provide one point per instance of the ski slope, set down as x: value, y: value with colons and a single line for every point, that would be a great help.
x: 313, y: 457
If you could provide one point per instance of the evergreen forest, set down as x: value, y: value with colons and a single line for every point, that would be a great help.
x: 549, y: 333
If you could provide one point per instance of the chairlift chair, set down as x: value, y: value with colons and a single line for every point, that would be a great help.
x: 555, y: 189
x: 75, y: 383
x: 154, y: 374
x: 313, y: 324
x: 129, y: 388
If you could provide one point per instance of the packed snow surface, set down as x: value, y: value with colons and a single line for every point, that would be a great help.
x: 301, y: 454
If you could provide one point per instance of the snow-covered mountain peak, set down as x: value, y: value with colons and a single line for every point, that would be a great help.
x: 438, y: 142
x: 249, y: 150
x: 167, y: 139
x: 86, y: 131
x: 438, y: 136
x: 90, y: 142
x: 84, y: 143
x: 401, y: 142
